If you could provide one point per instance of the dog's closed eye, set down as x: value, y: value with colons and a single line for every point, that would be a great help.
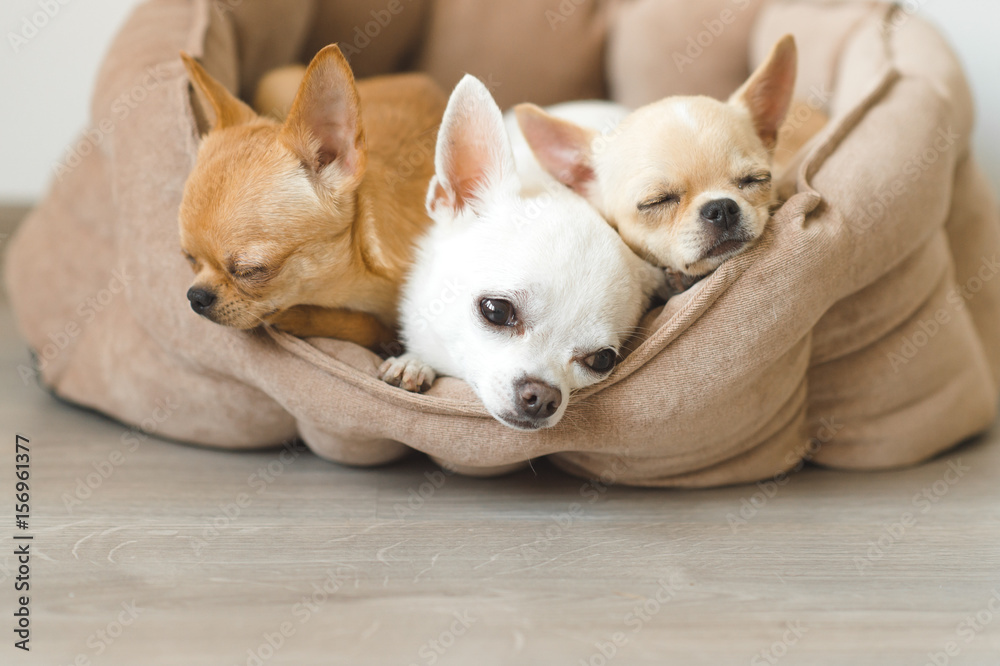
x: 753, y: 179
x: 250, y: 272
x: 664, y: 199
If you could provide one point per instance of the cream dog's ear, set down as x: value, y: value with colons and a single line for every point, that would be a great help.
x: 474, y: 158
x: 561, y: 147
x: 229, y: 111
x: 324, y: 124
x: 767, y: 94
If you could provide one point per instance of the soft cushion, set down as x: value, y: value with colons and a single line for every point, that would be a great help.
x: 863, y: 331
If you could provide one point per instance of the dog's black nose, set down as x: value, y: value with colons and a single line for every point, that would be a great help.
x: 723, y: 213
x: 536, y: 399
x: 201, y: 299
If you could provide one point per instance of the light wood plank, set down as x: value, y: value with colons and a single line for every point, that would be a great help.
x: 538, y: 581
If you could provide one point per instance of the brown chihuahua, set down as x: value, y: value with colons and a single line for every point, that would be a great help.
x: 309, y: 224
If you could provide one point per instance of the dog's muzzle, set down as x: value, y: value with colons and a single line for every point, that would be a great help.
x: 201, y: 299
x: 535, y: 402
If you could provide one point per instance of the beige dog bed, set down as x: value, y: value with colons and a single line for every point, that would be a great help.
x: 862, y: 330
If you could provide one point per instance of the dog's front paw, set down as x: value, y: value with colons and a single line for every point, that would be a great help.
x: 408, y: 373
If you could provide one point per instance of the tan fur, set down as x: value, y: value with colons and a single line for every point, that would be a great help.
x: 803, y: 123
x: 320, y: 210
x: 697, y: 150
x: 276, y: 91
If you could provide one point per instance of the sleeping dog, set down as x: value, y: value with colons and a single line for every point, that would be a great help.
x: 686, y: 181
x: 308, y: 224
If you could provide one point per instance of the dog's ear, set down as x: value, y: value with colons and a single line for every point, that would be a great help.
x: 561, y: 147
x: 767, y: 94
x: 229, y: 111
x: 324, y: 124
x: 474, y: 157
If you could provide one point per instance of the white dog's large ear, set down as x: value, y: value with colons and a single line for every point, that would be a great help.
x: 767, y: 94
x: 561, y: 147
x: 474, y: 157
x: 324, y: 124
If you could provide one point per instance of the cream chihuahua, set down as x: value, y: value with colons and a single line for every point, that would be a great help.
x: 309, y: 224
x: 686, y: 181
x: 525, y: 298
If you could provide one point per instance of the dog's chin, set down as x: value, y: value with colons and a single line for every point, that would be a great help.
x: 726, y: 248
x: 524, y: 424
x: 243, y: 325
x: 718, y: 253
x: 242, y: 322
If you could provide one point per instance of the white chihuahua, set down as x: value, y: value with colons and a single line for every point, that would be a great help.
x: 526, y: 298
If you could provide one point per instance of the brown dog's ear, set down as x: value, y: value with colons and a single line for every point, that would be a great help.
x: 562, y: 148
x: 324, y: 124
x: 767, y: 94
x: 229, y: 111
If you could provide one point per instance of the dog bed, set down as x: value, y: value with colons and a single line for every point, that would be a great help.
x: 862, y: 332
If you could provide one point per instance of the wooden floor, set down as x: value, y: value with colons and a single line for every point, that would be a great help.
x: 148, y: 552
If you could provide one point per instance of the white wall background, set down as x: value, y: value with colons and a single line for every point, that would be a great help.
x: 45, y: 85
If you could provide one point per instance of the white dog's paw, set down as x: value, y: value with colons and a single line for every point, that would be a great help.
x: 408, y: 373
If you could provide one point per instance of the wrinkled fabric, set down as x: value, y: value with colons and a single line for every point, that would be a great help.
x: 863, y: 331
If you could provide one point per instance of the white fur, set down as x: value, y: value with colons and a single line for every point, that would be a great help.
x: 577, y: 287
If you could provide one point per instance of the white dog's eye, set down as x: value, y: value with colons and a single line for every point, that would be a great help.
x: 498, y: 312
x: 603, y: 361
